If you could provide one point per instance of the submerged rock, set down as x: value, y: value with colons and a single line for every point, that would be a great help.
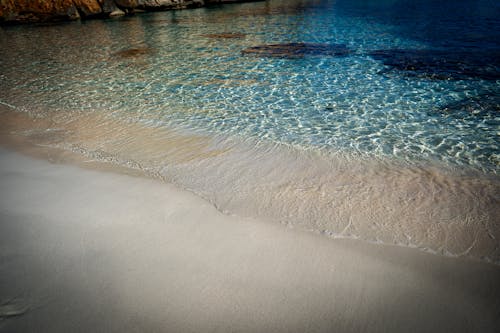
x: 297, y: 50
x: 442, y: 64
x: 133, y: 53
x: 484, y: 105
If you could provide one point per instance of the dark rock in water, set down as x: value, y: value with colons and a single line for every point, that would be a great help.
x: 228, y: 35
x: 297, y: 50
x: 442, y: 64
x: 484, y: 105
x: 133, y: 53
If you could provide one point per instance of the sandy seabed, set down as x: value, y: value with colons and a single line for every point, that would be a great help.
x: 92, y: 251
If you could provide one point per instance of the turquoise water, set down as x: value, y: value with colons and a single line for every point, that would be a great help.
x: 394, y: 141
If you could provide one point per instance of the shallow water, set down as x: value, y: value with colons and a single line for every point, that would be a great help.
x: 393, y: 149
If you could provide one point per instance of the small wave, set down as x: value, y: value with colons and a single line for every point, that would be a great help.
x: 428, y: 206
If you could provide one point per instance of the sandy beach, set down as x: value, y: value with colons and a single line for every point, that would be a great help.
x: 249, y: 166
x: 84, y: 250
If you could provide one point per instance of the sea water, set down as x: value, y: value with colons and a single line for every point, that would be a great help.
x: 393, y: 140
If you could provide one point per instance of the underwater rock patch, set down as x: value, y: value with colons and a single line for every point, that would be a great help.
x: 442, y: 64
x: 483, y: 105
x: 133, y: 53
x: 297, y: 50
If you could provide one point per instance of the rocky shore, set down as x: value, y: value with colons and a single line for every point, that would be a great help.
x: 26, y: 11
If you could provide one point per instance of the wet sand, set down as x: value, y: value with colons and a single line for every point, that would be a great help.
x: 437, y: 209
x: 84, y: 250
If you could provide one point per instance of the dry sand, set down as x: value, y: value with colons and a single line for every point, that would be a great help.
x: 90, y: 251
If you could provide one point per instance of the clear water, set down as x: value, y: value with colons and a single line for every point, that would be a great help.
x: 348, y: 146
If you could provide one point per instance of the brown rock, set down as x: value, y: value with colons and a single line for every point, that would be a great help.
x: 12, y: 11
x: 88, y: 8
x: 108, y: 6
x: 37, y: 10
x: 126, y: 4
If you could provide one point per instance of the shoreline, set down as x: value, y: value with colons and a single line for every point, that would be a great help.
x: 92, y: 250
x: 198, y: 159
x: 156, y: 177
x: 37, y: 11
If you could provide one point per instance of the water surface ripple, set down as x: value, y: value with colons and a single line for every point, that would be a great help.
x: 395, y: 139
